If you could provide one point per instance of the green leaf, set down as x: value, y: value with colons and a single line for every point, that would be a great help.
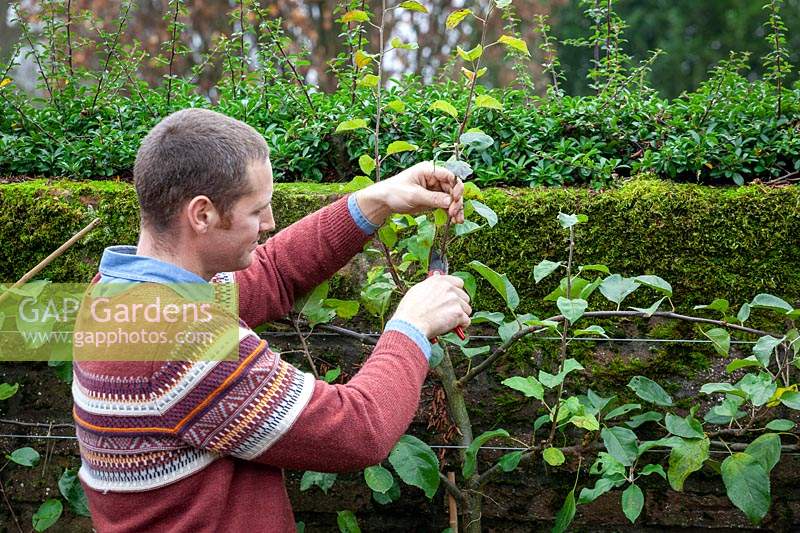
x: 780, y: 424
x: 649, y: 391
x: 352, y: 124
x: 411, y: 5
x: 638, y: 420
x: 455, y: 18
x: 387, y: 235
x: 686, y: 458
x: 529, y: 386
x: 470, y: 285
x: 720, y: 305
x: 616, y: 288
x: 602, y: 486
x: 688, y: 427
x: 515, y: 43
x: 392, y: 495
x: 587, y: 421
x: 485, y: 211
x: 510, y: 461
x: 567, y: 221
x: 653, y: 469
x: 476, y: 140
x: 572, y: 309
x: 24, y: 456
x: 759, y: 388
x: 747, y: 485
x: 764, y: 347
x: 400, y: 146
x: 485, y: 316
x: 47, y: 514
x: 344, y: 308
x: 396, y: 105
x: 667, y: 442
x: 331, y: 375
x: 744, y: 313
x: 736, y: 364
x: 472, y: 352
x: 358, y: 183
x: 791, y: 400
x: 632, y: 502
x: 595, y: 268
x: 648, y: 311
x: 471, y: 455
x: 553, y: 456
x: 6, y: 390
x: 366, y: 163
x: 323, y: 480
x: 766, y: 449
x: 355, y: 15
x: 721, y: 340
x: 591, y: 330
x: 378, y: 478
x: 347, y: 522
x: 484, y: 100
x: 397, y: 42
x: 72, y: 491
x: 470, y: 55
x: 544, y: 269
x: 416, y: 464
x: 550, y: 381
x: 711, y: 388
x: 768, y: 301
x: 655, y: 282
x: 621, y: 444
x: 443, y: 105
x: 500, y: 283
x: 369, y: 80
x: 565, y: 514
x: 622, y: 409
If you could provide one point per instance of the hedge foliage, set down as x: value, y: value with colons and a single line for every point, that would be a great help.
x: 708, y: 242
x: 726, y: 132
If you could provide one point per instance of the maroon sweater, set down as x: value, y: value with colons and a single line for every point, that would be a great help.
x: 185, y: 447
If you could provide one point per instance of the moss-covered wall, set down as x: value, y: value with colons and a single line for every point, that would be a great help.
x: 708, y: 242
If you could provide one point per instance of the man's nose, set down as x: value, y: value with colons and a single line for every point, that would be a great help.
x: 267, y: 221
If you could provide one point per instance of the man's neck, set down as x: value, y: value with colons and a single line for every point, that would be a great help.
x: 150, y: 246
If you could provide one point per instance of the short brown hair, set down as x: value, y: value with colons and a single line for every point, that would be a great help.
x: 189, y: 153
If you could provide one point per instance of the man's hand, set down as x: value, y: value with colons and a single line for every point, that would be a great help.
x: 420, y: 188
x: 435, y: 306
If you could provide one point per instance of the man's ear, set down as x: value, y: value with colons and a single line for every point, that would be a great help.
x: 201, y: 214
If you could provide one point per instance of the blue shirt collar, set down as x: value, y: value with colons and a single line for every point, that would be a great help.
x: 121, y: 264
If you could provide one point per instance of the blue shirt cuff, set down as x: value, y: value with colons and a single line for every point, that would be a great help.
x: 361, y: 221
x: 412, y: 333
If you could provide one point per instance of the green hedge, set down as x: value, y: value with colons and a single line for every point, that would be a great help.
x: 708, y: 242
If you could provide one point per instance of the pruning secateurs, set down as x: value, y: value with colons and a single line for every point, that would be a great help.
x: 438, y: 265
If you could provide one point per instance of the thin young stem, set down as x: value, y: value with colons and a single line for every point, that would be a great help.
x: 69, y: 37
x: 241, y: 37
x: 296, y: 325
x: 777, y: 54
x: 172, y: 50
x: 39, y: 64
x: 8, y: 504
x: 378, y: 97
x: 503, y: 348
x: 110, y: 54
x: 452, y: 488
x: 298, y: 79
x: 564, y: 332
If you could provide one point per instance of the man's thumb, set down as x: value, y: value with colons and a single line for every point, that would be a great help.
x: 440, y: 199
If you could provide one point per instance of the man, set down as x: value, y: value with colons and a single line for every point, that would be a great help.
x: 200, y: 445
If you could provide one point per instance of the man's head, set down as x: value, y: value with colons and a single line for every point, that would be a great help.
x: 205, y: 180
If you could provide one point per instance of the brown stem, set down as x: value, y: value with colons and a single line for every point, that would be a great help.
x: 69, y: 38
x: 777, y: 55
x: 365, y: 339
x: 110, y: 54
x: 451, y: 487
x: 8, y: 504
x: 35, y: 424
x: 297, y: 77
x: 401, y: 286
x: 296, y: 325
x: 500, y: 350
x: 378, y: 99
x: 564, y: 331
x: 241, y: 29
x: 39, y: 64
x: 172, y: 50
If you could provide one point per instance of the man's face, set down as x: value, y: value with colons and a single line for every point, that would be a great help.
x: 232, y: 248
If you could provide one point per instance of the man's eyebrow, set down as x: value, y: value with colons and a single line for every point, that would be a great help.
x: 264, y: 205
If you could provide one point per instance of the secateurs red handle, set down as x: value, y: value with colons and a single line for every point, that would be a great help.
x: 438, y: 265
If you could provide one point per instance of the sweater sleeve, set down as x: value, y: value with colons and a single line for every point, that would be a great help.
x: 352, y: 426
x: 296, y: 260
